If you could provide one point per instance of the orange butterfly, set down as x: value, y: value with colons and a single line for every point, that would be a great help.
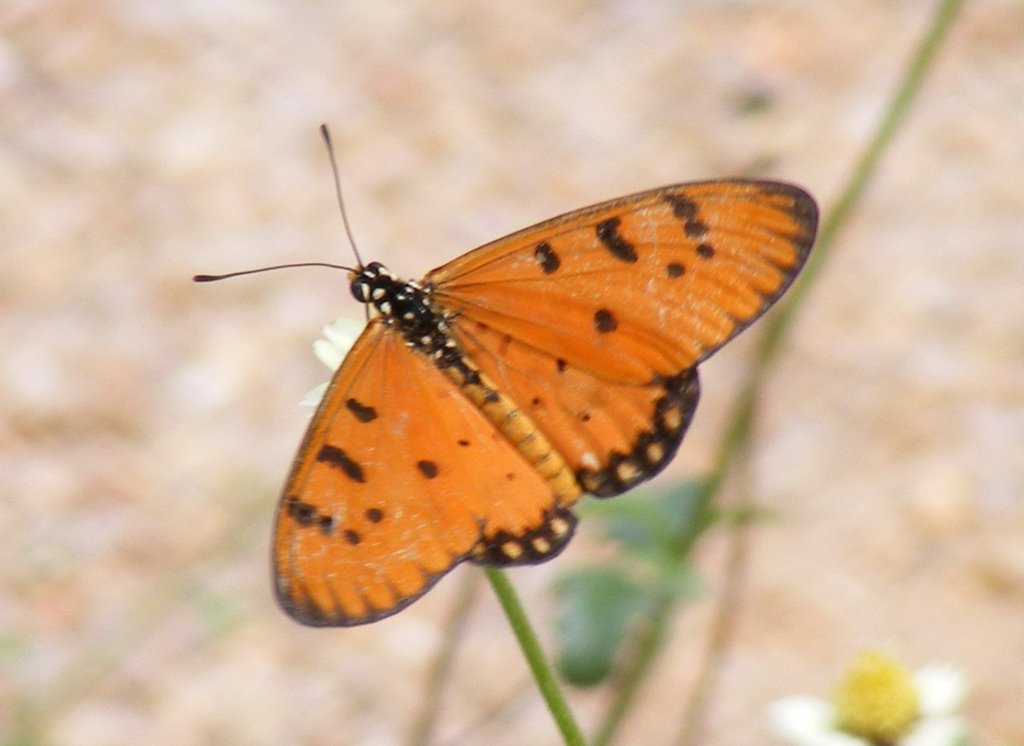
x: 480, y: 403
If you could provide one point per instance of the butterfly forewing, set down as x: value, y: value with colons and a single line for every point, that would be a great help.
x: 639, y: 287
x: 399, y: 478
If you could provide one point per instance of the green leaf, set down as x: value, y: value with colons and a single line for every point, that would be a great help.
x: 597, y: 605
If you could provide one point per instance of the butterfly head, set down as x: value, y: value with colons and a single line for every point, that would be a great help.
x: 368, y: 284
x: 400, y: 302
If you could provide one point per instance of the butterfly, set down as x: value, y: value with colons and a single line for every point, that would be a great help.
x: 480, y: 403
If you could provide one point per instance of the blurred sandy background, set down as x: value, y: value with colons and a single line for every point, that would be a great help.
x: 146, y: 423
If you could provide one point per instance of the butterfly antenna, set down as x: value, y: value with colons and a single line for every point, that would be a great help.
x: 215, y: 278
x: 326, y: 135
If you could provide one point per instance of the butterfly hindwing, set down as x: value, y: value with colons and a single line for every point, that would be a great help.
x: 612, y: 435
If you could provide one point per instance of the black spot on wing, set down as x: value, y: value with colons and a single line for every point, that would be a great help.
x: 605, y: 321
x: 675, y: 269
x: 705, y: 250
x: 303, y: 513
x: 546, y: 258
x: 307, y: 515
x: 687, y: 211
x: 352, y: 537
x: 362, y: 412
x: 427, y: 468
x: 608, y: 234
x: 340, y: 460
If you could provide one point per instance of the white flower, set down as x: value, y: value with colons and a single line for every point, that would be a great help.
x: 878, y: 701
x: 938, y: 730
x: 941, y: 689
x: 808, y: 721
x: 338, y: 340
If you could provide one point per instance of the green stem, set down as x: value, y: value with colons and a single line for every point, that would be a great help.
x: 542, y: 672
x: 739, y: 431
x: 724, y: 616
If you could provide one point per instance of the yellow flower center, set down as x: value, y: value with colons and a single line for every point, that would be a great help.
x: 876, y: 700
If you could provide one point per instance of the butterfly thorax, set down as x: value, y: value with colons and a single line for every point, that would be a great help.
x: 406, y: 306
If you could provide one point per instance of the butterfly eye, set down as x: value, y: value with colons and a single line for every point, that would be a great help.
x: 360, y: 289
